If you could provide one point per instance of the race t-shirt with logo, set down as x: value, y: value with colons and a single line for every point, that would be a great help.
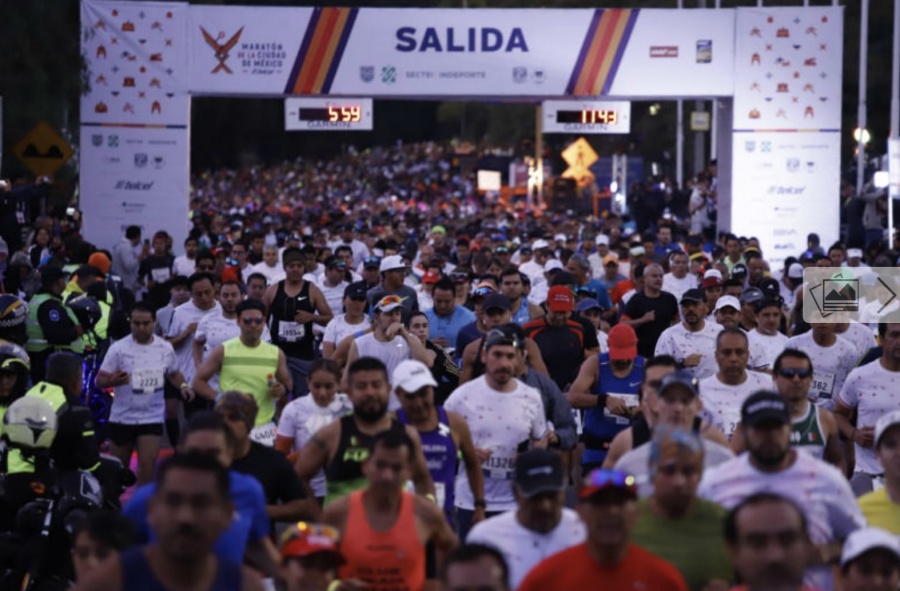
x: 764, y: 349
x: 680, y: 343
x: 860, y: 336
x: 831, y: 366
x: 140, y: 401
x: 722, y: 402
x: 872, y: 391
x: 184, y: 315
x: 503, y: 423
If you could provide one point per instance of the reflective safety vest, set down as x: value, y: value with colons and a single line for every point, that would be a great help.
x: 16, y: 462
x: 36, y: 341
x: 247, y: 369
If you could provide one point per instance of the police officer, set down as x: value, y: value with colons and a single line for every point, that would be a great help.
x: 50, y: 325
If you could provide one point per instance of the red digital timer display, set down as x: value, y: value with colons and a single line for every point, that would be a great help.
x: 589, y: 116
x: 332, y: 114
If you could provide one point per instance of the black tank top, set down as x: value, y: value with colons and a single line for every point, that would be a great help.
x: 137, y: 575
x: 641, y: 433
x: 295, y: 340
x: 344, y: 473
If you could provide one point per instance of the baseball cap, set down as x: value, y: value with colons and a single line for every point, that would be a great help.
x: 770, y: 288
x: 559, y: 238
x: 712, y: 278
x: 886, y: 422
x: 372, y: 262
x: 560, y: 299
x: 600, y: 479
x: 503, y: 335
x: 739, y: 270
x: 100, y: 261
x: 611, y: 258
x: 388, y: 303
x: 693, y: 295
x: 553, y: 265
x: 431, y: 276
x: 356, y: 290
x: 540, y: 244
x: 679, y: 379
x: 602, y: 239
x: 438, y: 230
x: 854, y: 253
x: 303, y: 539
x: 764, y: 405
x: 637, y: 251
x: 751, y: 295
x: 868, y: 538
x: 390, y: 263
x: 622, y: 342
x: 588, y: 304
x: 795, y: 271
x: 728, y: 301
x: 538, y: 471
x: 496, y: 301
x: 410, y: 375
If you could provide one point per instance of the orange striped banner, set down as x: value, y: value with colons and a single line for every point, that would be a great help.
x: 321, y: 50
x: 602, y: 51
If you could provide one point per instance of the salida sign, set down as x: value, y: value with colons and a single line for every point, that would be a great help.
x: 471, y: 39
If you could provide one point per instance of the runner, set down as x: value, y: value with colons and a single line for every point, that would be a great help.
x: 650, y: 311
x: 880, y: 506
x: 476, y: 566
x: 765, y: 342
x: 870, y: 561
x: 352, y: 321
x: 693, y: 341
x: 310, y: 557
x: 832, y: 358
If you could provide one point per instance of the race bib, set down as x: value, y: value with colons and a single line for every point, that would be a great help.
x: 822, y: 385
x: 291, y: 332
x: 630, y: 400
x: 147, y: 380
x: 500, y: 466
x: 160, y: 275
x: 730, y: 420
x: 264, y: 434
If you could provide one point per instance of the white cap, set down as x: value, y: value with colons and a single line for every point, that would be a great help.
x: 712, y: 273
x: 726, y: 301
x: 795, y: 271
x: 854, y: 253
x: 552, y: 264
x: 411, y: 375
x: 395, y: 261
x: 560, y: 238
x: 886, y: 422
x: 602, y: 239
x: 539, y: 244
x: 868, y: 538
x: 637, y: 251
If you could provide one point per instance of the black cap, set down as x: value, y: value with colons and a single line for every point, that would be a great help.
x: 764, y: 405
x: 496, y: 301
x: 739, y: 269
x: 538, y: 471
x: 372, y: 263
x: 357, y: 289
x: 770, y: 288
x: 693, y: 295
x: 751, y: 295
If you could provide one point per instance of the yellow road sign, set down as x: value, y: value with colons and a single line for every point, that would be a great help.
x: 43, y: 150
x: 582, y: 176
x: 579, y: 154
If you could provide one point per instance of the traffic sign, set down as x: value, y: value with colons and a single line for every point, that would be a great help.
x: 43, y: 150
x: 579, y: 154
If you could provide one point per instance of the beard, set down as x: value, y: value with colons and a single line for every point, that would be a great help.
x: 371, y: 413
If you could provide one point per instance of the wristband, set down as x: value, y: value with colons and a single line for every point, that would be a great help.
x: 184, y: 386
x: 431, y: 498
x: 480, y: 503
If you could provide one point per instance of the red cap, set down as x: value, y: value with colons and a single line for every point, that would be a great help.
x: 431, y: 276
x: 560, y: 299
x: 622, y: 342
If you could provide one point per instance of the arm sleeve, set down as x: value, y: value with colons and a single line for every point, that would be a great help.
x: 330, y: 334
x: 55, y: 322
x: 848, y: 393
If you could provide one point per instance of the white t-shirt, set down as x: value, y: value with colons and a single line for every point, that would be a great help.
x: 141, y: 401
x: 637, y: 462
x: 273, y: 274
x: 538, y: 293
x: 524, y: 548
x: 424, y: 298
x: 333, y: 295
x: 816, y: 487
x: 679, y: 342
x: 499, y: 422
x: 184, y: 266
x: 303, y: 417
x: 831, y: 365
x: 872, y: 391
x: 764, y: 349
x: 860, y: 336
x: 338, y: 328
x: 184, y: 315
x: 722, y: 402
x: 534, y: 271
x: 676, y: 286
x: 390, y: 353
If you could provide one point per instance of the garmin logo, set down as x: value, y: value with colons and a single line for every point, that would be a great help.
x: 134, y: 186
x: 470, y: 40
x: 785, y: 190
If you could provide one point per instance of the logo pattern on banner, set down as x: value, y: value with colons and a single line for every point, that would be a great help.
x: 135, y: 63
x: 222, y: 49
x: 790, y: 77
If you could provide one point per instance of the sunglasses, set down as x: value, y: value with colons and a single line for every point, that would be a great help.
x: 251, y: 321
x: 304, y: 529
x: 459, y: 277
x: 482, y: 292
x: 600, y: 479
x: 790, y: 374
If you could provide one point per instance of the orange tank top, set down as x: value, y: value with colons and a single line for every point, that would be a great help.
x: 392, y: 560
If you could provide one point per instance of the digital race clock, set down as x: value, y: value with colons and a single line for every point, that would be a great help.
x: 325, y: 114
x: 586, y: 116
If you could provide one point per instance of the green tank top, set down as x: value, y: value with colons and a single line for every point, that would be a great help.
x: 806, y: 433
x: 247, y: 369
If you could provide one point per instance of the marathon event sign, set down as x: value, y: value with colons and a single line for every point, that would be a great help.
x: 463, y: 53
x: 135, y: 141
x: 775, y: 72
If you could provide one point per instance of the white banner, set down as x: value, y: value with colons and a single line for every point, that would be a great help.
x: 137, y: 176
x: 135, y: 113
x: 451, y: 52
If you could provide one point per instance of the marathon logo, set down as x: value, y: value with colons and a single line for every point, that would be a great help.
x: 669, y: 51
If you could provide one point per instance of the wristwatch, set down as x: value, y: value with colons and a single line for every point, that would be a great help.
x: 480, y: 503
